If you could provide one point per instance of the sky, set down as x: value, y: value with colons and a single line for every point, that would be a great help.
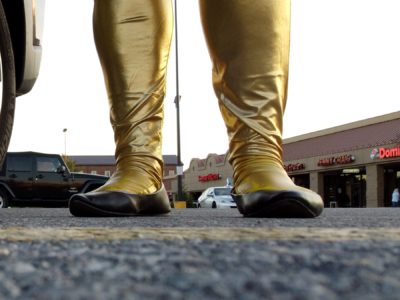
x: 344, y: 67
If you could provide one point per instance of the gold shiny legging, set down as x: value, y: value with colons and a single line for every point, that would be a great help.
x: 248, y: 43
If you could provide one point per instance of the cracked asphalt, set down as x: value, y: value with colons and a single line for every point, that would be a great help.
x: 45, y: 253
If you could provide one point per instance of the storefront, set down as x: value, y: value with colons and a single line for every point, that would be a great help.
x: 212, y: 171
x: 345, y: 188
x: 353, y: 165
x: 296, y: 171
x: 389, y: 160
x: 392, y: 181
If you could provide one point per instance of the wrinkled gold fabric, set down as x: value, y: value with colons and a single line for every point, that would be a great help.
x: 248, y: 43
x: 133, y: 40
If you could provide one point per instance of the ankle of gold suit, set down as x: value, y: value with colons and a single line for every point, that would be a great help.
x: 259, y: 173
x: 263, y: 189
x: 135, y: 177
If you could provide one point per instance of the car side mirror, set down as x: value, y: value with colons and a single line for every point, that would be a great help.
x: 61, y: 169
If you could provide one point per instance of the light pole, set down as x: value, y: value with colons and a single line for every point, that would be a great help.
x: 179, y: 168
x: 65, y: 141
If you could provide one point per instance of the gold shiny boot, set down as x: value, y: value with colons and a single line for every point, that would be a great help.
x: 133, y: 40
x: 248, y: 43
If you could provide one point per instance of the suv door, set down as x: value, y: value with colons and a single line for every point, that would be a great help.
x: 19, y: 175
x: 48, y: 182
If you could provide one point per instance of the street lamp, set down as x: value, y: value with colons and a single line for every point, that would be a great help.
x: 179, y: 169
x: 65, y: 141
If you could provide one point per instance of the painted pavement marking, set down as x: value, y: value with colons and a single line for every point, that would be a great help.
x: 206, y: 233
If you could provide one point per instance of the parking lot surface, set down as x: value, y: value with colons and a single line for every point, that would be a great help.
x: 199, y: 253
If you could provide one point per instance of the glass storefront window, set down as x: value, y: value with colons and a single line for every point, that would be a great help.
x: 345, y: 188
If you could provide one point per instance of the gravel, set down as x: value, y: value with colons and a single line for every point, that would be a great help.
x: 199, y: 269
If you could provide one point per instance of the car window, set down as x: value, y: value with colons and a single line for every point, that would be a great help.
x: 19, y: 164
x: 47, y: 164
x: 222, y: 191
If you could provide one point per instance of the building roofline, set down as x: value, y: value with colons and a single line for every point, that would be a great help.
x: 340, y: 128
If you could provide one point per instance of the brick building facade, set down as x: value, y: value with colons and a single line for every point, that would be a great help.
x: 353, y: 165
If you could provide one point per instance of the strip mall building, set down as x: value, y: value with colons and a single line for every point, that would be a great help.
x: 353, y: 165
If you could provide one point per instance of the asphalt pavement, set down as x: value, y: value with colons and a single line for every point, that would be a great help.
x: 45, y: 253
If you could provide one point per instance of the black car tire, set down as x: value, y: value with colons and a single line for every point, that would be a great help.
x: 214, y: 205
x: 7, y: 85
x: 3, y: 199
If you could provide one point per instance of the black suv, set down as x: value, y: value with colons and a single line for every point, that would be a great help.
x: 21, y: 26
x: 28, y: 178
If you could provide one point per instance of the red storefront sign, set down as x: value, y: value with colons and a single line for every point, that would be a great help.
x: 386, y: 152
x: 210, y: 177
x: 294, y: 167
x: 338, y: 160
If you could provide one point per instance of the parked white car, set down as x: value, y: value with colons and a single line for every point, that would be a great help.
x: 217, y: 197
